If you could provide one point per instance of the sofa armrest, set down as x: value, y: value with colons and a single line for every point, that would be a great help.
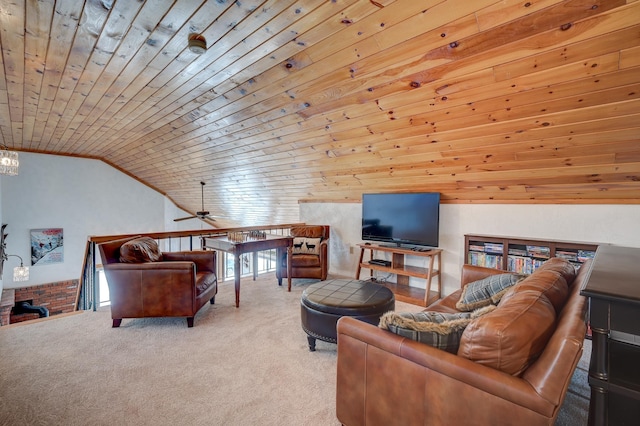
x: 368, y: 355
x: 471, y: 273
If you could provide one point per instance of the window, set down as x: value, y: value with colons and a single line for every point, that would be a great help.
x: 265, y: 261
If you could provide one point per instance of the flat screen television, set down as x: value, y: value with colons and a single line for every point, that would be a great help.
x: 401, y: 218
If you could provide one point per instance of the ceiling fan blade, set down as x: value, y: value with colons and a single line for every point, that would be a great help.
x: 184, y: 218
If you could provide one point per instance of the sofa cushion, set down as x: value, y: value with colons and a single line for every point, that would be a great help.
x: 511, y: 337
x: 440, y: 330
x: 486, y: 291
x: 550, y: 283
x: 143, y: 249
x: 304, y: 261
x: 303, y: 245
x: 562, y: 266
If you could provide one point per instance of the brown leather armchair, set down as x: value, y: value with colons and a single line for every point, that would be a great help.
x: 177, y: 284
x: 310, y: 255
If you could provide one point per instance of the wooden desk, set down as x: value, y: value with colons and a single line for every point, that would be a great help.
x: 251, y: 245
x: 613, y: 288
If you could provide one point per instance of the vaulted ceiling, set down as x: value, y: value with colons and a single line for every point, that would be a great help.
x: 483, y: 100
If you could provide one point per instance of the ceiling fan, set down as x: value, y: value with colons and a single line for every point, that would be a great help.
x: 202, y: 214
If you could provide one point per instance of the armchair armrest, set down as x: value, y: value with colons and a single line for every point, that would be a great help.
x: 324, y: 257
x: 186, y: 266
x: 324, y: 250
x: 205, y: 260
x: 129, y: 278
x: 151, y: 289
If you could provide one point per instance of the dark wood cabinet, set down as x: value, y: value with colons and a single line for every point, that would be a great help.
x: 613, y: 288
x: 522, y: 255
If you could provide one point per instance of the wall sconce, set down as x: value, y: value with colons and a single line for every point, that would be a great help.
x: 197, y: 43
x: 8, y: 162
x: 20, y: 273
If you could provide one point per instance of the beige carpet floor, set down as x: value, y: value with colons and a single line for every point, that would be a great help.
x: 238, y: 366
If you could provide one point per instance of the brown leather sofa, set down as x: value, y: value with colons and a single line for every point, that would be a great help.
x: 386, y: 379
x: 305, y: 263
x: 178, y: 284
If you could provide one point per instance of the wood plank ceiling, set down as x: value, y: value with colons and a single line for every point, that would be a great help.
x: 483, y: 100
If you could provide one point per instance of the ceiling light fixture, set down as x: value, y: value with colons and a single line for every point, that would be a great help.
x: 8, y: 162
x: 197, y: 43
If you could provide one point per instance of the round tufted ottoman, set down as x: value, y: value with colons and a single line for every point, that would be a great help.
x: 324, y: 303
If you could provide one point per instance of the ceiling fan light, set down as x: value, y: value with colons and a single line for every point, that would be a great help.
x: 197, y: 43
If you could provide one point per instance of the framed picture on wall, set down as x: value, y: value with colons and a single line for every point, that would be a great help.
x: 46, y: 246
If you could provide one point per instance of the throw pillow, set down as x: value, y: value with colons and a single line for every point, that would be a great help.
x: 143, y: 249
x: 437, y: 329
x: 486, y: 291
x: 561, y: 266
x: 306, y: 245
x: 550, y: 283
x: 511, y: 337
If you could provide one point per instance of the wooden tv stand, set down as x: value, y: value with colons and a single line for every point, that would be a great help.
x: 401, y: 289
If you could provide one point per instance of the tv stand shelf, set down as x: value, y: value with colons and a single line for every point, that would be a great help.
x: 401, y: 289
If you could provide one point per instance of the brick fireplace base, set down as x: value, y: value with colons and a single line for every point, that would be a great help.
x: 6, y: 303
x: 59, y: 297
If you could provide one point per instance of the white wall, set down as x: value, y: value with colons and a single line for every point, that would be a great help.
x: 612, y: 224
x: 84, y: 197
